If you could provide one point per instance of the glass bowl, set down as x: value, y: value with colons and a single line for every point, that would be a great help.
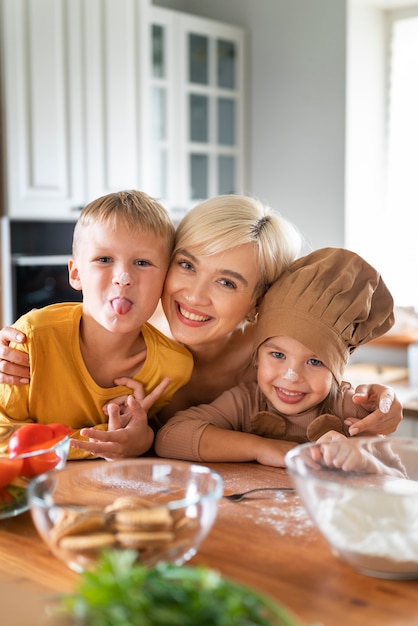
x: 161, y: 509
x: 13, y: 496
x: 362, y: 494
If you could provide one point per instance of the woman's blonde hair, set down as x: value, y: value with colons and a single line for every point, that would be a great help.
x: 227, y: 221
x: 138, y: 211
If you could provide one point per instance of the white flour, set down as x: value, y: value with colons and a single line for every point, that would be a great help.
x: 374, y: 530
x: 283, y: 513
x: 291, y: 521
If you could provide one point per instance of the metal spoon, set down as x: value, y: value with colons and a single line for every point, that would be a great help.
x: 237, y: 497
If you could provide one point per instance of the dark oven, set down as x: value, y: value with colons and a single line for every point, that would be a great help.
x: 35, y: 266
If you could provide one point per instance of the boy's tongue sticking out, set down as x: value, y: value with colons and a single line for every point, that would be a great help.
x: 121, y: 306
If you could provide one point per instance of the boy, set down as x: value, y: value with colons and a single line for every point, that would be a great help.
x: 121, y: 250
x: 323, y: 307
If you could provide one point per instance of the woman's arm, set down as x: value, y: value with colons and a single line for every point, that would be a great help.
x: 14, y: 364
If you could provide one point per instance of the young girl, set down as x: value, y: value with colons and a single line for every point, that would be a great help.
x: 310, y: 321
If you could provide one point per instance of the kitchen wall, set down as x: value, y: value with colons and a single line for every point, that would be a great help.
x: 295, y: 105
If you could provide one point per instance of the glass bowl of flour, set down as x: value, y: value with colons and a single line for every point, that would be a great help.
x: 362, y: 494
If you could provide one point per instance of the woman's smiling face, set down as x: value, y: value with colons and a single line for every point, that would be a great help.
x: 206, y: 297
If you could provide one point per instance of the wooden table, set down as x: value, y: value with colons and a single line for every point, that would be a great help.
x: 266, y: 541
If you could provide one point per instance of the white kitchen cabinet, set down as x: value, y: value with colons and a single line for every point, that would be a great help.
x: 112, y: 95
x: 42, y: 107
x: 103, y: 95
x: 71, y: 88
x: 193, y: 81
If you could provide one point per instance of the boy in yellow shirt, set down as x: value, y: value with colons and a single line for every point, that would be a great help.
x: 79, y: 352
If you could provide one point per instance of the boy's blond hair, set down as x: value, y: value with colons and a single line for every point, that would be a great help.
x: 138, y: 211
x: 227, y: 221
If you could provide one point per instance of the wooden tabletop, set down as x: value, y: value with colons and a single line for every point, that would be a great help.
x: 266, y: 541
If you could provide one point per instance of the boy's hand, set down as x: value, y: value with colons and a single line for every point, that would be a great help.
x: 386, y: 411
x: 138, y: 393
x: 128, y: 434
x: 14, y: 364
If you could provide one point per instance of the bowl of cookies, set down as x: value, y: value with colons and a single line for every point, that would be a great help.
x: 161, y: 509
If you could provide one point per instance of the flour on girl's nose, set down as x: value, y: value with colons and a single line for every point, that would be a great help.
x: 290, y: 375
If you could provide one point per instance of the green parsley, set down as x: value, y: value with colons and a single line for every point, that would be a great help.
x: 120, y: 592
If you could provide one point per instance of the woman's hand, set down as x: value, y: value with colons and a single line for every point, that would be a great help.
x: 385, y: 411
x: 14, y: 364
x: 128, y: 434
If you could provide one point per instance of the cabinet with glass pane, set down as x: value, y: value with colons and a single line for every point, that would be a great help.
x: 193, y: 109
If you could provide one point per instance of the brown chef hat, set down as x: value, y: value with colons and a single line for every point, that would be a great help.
x: 332, y: 301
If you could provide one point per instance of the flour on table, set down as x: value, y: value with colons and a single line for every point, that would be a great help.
x: 284, y: 513
x: 291, y: 520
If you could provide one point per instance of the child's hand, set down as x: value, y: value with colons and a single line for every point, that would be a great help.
x: 128, y: 434
x: 138, y: 393
x: 272, y: 451
x: 345, y: 454
x: 331, y: 435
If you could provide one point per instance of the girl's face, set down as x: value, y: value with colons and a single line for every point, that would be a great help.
x: 206, y: 297
x: 121, y: 275
x: 291, y: 376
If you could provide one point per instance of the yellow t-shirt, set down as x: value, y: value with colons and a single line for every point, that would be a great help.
x: 61, y: 388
